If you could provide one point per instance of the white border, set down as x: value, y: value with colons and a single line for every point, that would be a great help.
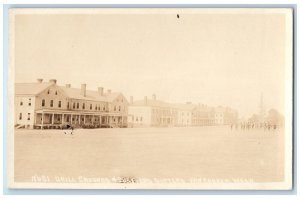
x: 208, y: 186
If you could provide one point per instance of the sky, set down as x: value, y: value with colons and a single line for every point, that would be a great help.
x: 210, y: 58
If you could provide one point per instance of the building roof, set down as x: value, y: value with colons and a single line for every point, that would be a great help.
x: 74, y: 93
x: 151, y: 103
x: 188, y: 107
x: 31, y: 88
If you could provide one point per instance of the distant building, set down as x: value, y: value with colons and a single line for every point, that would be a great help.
x: 224, y: 115
x: 156, y: 113
x: 151, y: 113
x: 47, y: 105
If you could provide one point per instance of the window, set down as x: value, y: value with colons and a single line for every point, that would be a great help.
x: 91, y: 106
x: 77, y: 105
x: 51, y: 103
x: 20, y: 116
x: 59, y: 104
x: 28, y: 116
x: 68, y: 106
x: 43, y: 102
x: 21, y: 103
x: 29, y: 102
x: 73, y: 105
x: 96, y: 107
x: 115, y: 108
x: 119, y: 108
x: 55, y: 92
x: 48, y: 92
x: 104, y: 108
x: 83, y: 105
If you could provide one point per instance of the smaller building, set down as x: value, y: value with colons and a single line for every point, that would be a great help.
x: 150, y: 113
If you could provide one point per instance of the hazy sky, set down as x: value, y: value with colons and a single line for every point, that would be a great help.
x: 217, y: 59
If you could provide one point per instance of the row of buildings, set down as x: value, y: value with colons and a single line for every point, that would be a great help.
x: 48, y: 105
x: 153, y: 112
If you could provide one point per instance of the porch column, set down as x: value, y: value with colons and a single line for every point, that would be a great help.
x: 93, y: 119
x: 62, y: 118
x: 100, y: 120
x: 42, y: 120
x: 52, y: 118
x: 35, y: 116
x: 84, y: 118
x: 79, y: 119
x: 71, y: 119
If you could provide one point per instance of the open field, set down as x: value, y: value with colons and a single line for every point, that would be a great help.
x: 186, y: 152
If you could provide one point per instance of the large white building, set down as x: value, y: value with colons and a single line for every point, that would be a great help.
x: 48, y: 105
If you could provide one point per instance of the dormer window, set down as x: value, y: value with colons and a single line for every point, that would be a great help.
x: 21, y: 103
x: 29, y: 102
x: 48, y: 92
x: 55, y: 92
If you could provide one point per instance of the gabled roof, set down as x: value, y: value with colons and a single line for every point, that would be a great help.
x: 31, y: 88
x: 74, y: 93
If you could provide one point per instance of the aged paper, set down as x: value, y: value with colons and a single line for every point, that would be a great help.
x: 150, y: 98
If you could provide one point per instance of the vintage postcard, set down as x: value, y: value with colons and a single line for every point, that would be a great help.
x: 181, y: 98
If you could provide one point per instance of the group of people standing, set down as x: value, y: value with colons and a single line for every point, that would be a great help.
x: 252, y: 125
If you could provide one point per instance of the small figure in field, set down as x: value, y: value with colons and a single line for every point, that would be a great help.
x: 70, y: 128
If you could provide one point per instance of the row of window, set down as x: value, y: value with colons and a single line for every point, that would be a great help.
x: 77, y: 106
x: 21, y: 116
x: 51, y: 103
x: 138, y: 119
x: 49, y: 92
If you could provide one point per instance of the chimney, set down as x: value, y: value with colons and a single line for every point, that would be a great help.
x: 131, y: 99
x: 100, y: 90
x: 68, y: 85
x: 145, y: 100
x: 83, y: 90
x: 154, y: 97
x: 53, y: 81
x: 109, y: 91
x: 39, y: 80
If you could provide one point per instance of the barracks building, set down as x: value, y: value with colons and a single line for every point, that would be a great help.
x: 48, y: 105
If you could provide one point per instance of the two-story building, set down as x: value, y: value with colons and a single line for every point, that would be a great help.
x: 151, y: 113
x: 46, y: 105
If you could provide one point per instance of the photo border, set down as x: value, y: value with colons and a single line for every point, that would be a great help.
x: 6, y: 7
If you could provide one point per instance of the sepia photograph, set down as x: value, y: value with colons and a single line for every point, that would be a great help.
x: 151, y: 98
